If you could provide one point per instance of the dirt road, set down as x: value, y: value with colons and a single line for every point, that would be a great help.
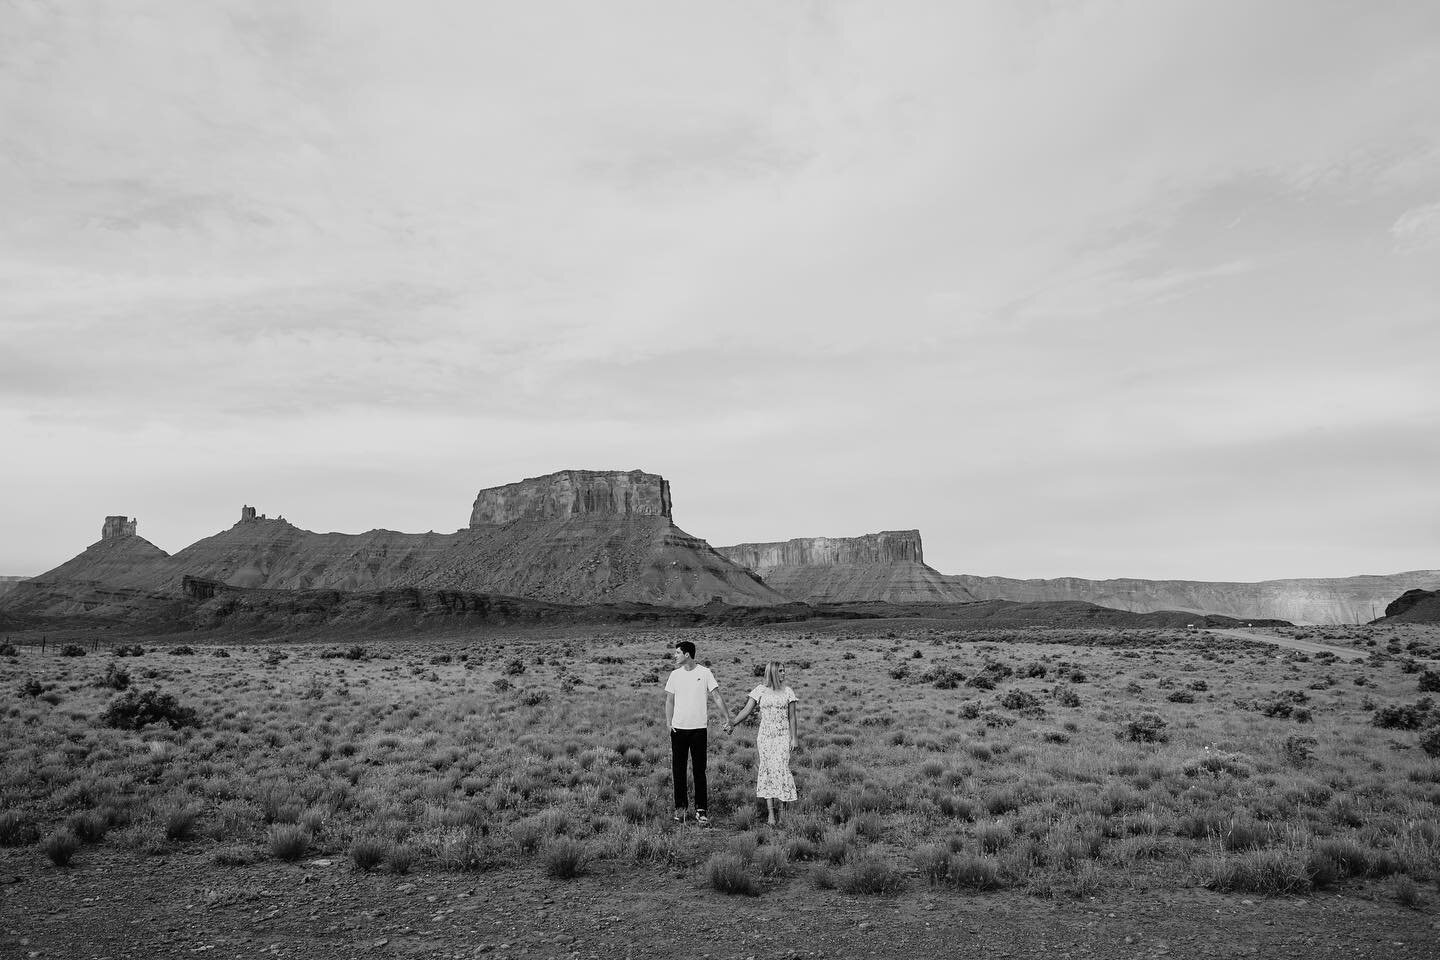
x: 1308, y: 646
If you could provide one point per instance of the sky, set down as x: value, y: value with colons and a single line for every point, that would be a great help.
x: 1089, y: 288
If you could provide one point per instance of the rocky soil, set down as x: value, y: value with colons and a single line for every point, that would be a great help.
x: 114, y: 905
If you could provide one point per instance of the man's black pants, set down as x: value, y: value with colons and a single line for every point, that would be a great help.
x: 693, y: 743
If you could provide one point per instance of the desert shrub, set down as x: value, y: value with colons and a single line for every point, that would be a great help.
x: 1430, y: 681
x: 1146, y: 728
x: 634, y: 808
x: 367, y: 853
x: 15, y: 830
x: 1430, y: 740
x: 899, y: 672
x: 1345, y: 856
x: 515, y: 667
x: 30, y: 688
x: 533, y: 698
x: 933, y: 862
x: 527, y: 835
x: 502, y: 685
x: 1018, y: 700
x: 60, y: 847
x: 1299, y: 751
x: 400, y: 858
x: 872, y: 875
x: 1181, y: 696
x: 1402, y: 716
x: 1257, y: 871
x: 130, y: 650
x: 1066, y: 697
x: 72, y: 650
x: 1217, y: 763
x: 220, y: 652
x: 565, y: 858
x: 992, y: 837
x: 981, y: 681
x: 183, y: 650
x: 956, y: 807
x: 801, y: 848
x: 1199, y: 686
x: 834, y: 847
x: 975, y: 873
x: 1407, y: 893
x: 8, y: 650
x: 1033, y: 669
x: 943, y: 677
x: 822, y: 879
x: 727, y: 873
x: 116, y: 677
x: 288, y: 842
x: 133, y: 710
x: 179, y: 821
x: 90, y: 826
x: 868, y: 825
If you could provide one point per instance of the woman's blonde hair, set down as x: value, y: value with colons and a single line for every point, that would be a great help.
x: 772, y: 675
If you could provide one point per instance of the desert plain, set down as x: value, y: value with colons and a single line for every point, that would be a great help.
x: 963, y: 792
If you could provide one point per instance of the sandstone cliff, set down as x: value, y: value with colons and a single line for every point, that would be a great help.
x: 572, y: 494
x: 886, y: 566
x: 1312, y: 600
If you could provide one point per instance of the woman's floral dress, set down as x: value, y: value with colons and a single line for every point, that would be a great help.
x: 773, y: 743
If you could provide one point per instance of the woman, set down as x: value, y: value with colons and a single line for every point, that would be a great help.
x: 778, y: 730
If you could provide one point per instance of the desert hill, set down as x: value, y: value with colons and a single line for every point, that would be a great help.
x: 571, y: 537
x: 1413, y: 606
x: 890, y: 566
x: 8, y: 583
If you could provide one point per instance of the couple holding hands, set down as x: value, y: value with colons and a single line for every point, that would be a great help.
x: 686, y: 692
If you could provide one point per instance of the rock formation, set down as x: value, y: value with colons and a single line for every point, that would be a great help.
x: 116, y: 527
x: 8, y: 583
x: 573, y: 537
x: 888, y: 566
x: 571, y: 494
x: 1413, y: 606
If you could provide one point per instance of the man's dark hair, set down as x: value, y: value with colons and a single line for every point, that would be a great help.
x: 687, y: 648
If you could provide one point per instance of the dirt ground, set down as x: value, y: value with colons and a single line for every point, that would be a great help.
x: 116, y: 905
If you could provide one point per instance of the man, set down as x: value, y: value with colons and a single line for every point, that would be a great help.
x: 685, y: 715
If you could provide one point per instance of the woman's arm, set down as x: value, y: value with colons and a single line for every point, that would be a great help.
x: 794, y: 725
x: 744, y: 711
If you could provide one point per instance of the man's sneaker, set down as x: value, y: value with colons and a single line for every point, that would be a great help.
x: 701, y: 819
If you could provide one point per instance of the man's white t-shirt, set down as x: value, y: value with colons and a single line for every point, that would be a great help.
x: 691, y: 687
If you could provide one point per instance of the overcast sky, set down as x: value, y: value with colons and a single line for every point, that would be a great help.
x: 1095, y: 288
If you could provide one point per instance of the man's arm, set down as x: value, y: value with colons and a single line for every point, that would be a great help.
x: 669, y: 711
x: 720, y: 705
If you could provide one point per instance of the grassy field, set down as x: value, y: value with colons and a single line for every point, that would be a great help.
x: 1060, y: 763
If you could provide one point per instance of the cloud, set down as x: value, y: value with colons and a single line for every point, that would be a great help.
x: 1417, y: 229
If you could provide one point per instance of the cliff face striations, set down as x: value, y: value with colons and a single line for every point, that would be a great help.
x: 886, y: 566
x: 572, y: 494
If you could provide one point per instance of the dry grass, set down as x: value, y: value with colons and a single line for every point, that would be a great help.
x: 1058, y: 762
